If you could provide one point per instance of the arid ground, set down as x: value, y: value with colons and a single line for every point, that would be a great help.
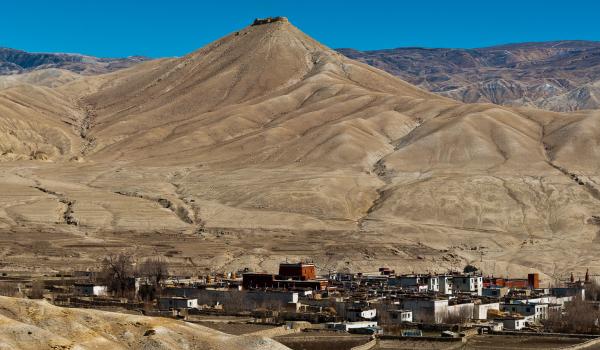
x: 267, y: 145
x: 35, y: 324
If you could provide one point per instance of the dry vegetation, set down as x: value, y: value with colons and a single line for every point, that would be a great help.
x: 579, y: 317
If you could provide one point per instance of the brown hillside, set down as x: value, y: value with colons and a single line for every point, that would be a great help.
x: 266, y: 145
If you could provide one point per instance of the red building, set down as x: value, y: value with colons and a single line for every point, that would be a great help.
x: 291, y: 276
x: 297, y: 271
x: 532, y: 281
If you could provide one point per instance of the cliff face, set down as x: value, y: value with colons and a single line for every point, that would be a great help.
x: 16, y: 61
x: 560, y: 76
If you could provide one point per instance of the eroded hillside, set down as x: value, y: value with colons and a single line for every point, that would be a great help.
x: 266, y: 145
x: 35, y: 324
x: 559, y: 75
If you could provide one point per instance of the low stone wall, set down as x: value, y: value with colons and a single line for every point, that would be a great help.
x: 585, y: 345
x: 366, y: 346
x: 329, y: 341
x: 274, y: 332
x: 438, y: 339
x: 546, y: 334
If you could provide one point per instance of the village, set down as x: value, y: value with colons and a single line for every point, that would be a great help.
x: 360, y: 310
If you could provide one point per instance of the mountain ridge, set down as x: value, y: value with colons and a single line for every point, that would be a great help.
x: 266, y: 145
x: 545, y: 75
x: 14, y: 61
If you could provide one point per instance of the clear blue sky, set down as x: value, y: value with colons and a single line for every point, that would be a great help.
x: 111, y: 28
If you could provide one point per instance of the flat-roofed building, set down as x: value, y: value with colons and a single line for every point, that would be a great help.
x: 495, y: 292
x: 297, y: 271
x: 445, y: 284
x: 472, y: 284
x: 481, y: 311
x: 400, y: 316
x: 427, y: 310
x: 254, y: 280
x: 347, y: 326
x: 168, y: 303
x: 512, y: 323
x: 531, y: 312
x: 90, y: 289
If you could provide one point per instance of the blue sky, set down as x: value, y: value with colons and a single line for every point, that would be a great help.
x: 114, y: 28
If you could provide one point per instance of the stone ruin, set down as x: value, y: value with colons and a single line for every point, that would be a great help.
x: 259, y: 21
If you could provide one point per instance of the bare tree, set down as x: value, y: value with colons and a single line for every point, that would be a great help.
x: 470, y: 269
x: 592, y: 291
x: 578, y: 316
x: 118, y: 271
x: 155, y: 269
x: 460, y: 317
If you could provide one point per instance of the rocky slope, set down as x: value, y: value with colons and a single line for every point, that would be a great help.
x: 559, y: 76
x: 35, y: 324
x: 267, y: 145
x: 16, y: 61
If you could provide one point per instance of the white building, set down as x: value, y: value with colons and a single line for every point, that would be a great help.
x: 433, y: 283
x: 468, y: 284
x: 461, y: 312
x: 90, y: 289
x: 346, y: 326
x: 480, y: 311
x: 407, y: 281
x: 531, y: 312
x: 512, y: 323
x: 359, y: 314
x: 168, y: 303
x: 445, y: 284
x: 400, y: 316
x: 427, y: 310
x: 417, y: 289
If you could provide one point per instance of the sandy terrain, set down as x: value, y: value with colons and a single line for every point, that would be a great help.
x: 266, y: 145
x: 30, y: 324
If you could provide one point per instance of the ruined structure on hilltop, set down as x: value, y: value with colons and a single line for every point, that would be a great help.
x: 259, y: 21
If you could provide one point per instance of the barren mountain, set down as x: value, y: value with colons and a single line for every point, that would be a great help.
x: 267, y: 145
x: 559, y: 76
x: 51, y: 77
x: 16, y: 61
x: 32, y: 324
